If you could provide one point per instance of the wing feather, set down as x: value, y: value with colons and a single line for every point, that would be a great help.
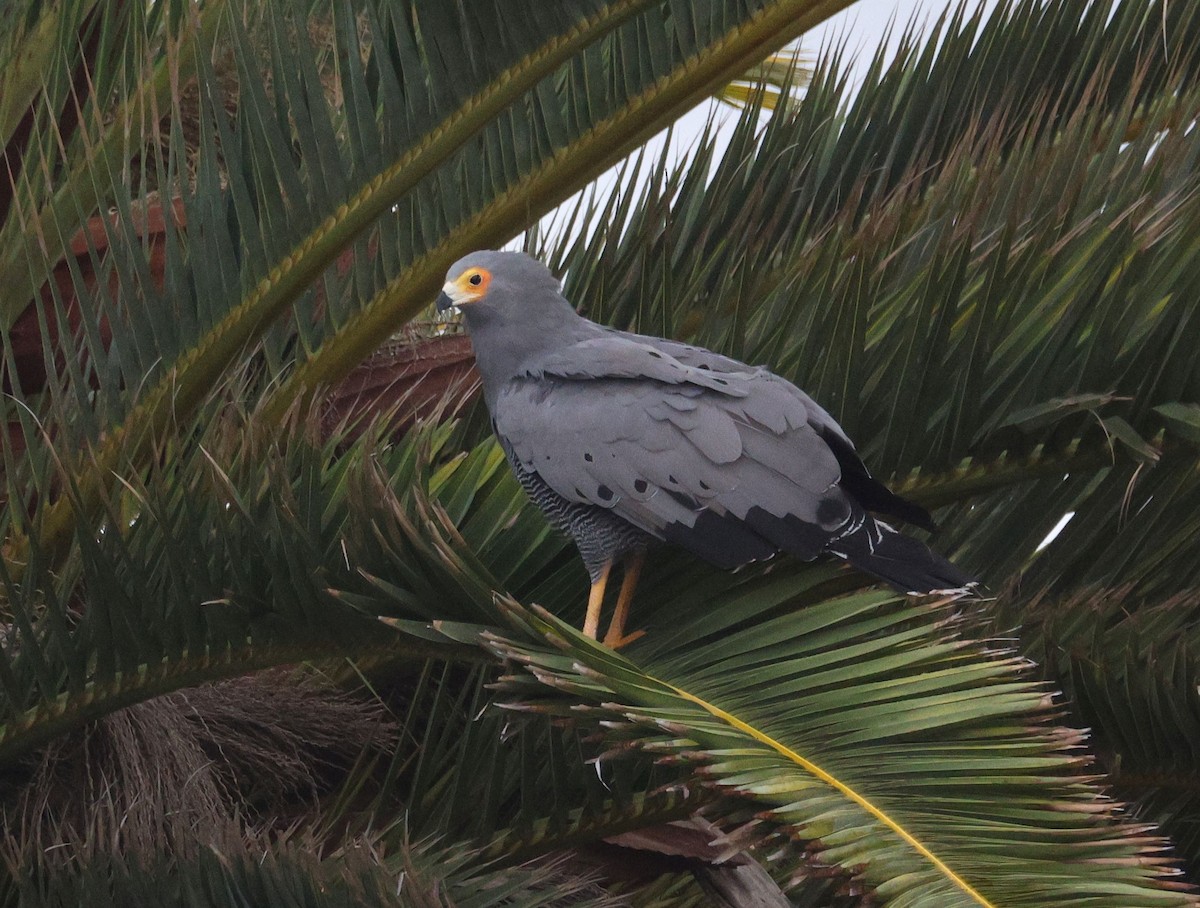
x: 612, y: 356
x: 732, y: 469
x: 856, y: 478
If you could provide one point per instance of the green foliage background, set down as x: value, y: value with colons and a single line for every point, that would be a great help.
x: 983, y: 262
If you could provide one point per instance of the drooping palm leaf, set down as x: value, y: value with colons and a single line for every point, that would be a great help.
x: 84, y: 84
x: 871, y: 729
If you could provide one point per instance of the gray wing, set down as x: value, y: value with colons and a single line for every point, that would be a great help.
x: 616, y: 356
x: 706, y: 360
x: 857, y: 480
x: 727, y: 464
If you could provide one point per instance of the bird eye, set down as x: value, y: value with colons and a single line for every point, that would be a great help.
x: 476, y: 279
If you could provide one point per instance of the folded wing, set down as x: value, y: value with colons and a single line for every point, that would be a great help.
x: 727, y: 464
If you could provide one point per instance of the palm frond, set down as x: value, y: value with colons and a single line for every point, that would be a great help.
x: 420, y: 875
x: 83, y: 85
x: 873, y: 731
x: 779, y: 73
x: 220, y: 562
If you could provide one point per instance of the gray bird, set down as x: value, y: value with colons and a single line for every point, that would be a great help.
x: 625, y: 440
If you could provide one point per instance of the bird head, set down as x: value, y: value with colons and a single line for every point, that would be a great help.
x: 489, y: 285
x: 513, y: 311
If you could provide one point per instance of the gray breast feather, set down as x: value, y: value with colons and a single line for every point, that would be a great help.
x: 661, y: 453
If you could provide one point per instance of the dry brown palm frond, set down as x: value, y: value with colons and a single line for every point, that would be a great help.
x: 198, y: 768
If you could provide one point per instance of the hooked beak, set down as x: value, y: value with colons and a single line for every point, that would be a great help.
x: 451, y: 297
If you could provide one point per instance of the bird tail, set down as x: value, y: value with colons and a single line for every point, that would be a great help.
x: 902, y: 561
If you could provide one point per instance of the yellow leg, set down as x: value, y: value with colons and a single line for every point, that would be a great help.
x: 616, y: 637
x: 591, y: 623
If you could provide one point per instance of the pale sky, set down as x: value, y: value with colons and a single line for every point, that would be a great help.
x: 863, y: 25
x: 867, y: 21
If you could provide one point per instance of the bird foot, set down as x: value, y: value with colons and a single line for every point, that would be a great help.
x: 616, y: 641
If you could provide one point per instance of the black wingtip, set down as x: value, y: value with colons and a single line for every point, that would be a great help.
x: 869, y: 492
x: 908, y: 511
x: 901, y: 561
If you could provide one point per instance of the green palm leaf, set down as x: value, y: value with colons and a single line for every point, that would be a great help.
x: 871, y: 729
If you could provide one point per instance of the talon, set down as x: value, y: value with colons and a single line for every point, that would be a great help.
x: 616, y: 636
x: 591, y: 624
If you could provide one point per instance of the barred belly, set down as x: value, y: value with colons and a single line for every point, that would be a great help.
x: 600, y: 535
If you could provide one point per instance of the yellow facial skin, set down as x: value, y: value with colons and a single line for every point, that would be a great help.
x: 468, y: 287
